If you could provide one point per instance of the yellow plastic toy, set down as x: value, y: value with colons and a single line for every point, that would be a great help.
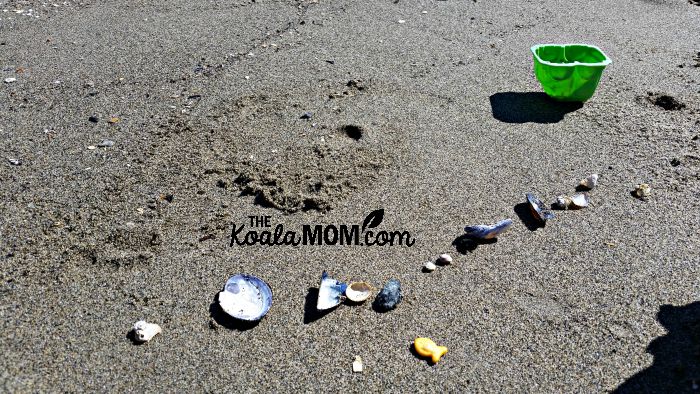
x: 427, y: 348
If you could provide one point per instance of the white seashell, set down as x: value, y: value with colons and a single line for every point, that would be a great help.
x: 429, y: 266
x: 579, y: 200
x: 10, y: 80
x: 444, y: 259
x: 357, y: 365
x: 245, y: 297
x: 358, y: 291
x: 642, y: 190
x: 589, y: 182
x: 144, y: 332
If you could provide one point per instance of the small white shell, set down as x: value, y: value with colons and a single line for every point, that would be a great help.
x: 144, y: 332
x: 429, y: 266
x: 357, y: 365
x: 579, y: 200
x: 358, y: 291
x: 642, y: 190
x: 444, y: 259
x: 589, y: 182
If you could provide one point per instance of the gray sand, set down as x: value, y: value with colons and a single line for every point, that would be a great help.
x: 208, y: 97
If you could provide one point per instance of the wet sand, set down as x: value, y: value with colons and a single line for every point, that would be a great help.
x: 438, y: 120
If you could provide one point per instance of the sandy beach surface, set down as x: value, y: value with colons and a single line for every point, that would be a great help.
x: 135, y: 134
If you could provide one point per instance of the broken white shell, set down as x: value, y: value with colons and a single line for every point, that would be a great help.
x: 330, y: 292
x: 429, y: 266
x: 589, y: 182
x: 358, y: 291
x: 357, y: 365
x: 642, y: 190
x: 579, y: 200
x: 144, y: 332
x: 444, y: 259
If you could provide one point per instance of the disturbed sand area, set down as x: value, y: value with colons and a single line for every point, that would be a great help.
x: 203, y: 103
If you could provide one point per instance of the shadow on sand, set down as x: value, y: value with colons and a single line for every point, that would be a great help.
x: 465, y: 244
x: 523, y: 107
x: 311, y: 313
x: 676, y: 367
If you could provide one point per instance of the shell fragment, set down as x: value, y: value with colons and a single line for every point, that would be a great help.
x: 357, y: 365
x: 642, y: 190
x: 487, y: 231
x: 539, y: 211
x: 444, y: 259
x: 330, y: 292
x: 589, y: 182
x: 144, y: 332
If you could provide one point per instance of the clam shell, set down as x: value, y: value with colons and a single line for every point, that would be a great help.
x: 358, y: 291
x: 330, y: 292
x: 246, y: 297
x: 429, y: 266
x: 579, y: 200
x: 539, y: 211
x: 482, y: 231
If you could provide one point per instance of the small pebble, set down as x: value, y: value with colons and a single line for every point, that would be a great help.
x: 306, y: 115
x: 429, y: 266
x: 106, y: 144
x: 92, y: 147
x: 10, y: 80
x: 444, y: 259
x: 642, y: 190
x: 93, y: 119
x: 14, y: 162
x: 357, y: 365
x: 402, y: 21
x: 113, y: 120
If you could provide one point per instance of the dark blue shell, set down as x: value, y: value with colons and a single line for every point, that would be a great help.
x: 389, y: 297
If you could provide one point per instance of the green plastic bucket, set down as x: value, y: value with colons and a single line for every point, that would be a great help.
x: 569, y: 72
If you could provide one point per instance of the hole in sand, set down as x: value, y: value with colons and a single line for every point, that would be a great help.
x: 352, y: 131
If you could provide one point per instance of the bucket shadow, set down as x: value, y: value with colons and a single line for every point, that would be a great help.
x: 676, y: 366
x: 311, y: 313
x: 524, y: 107
x: 465, y: 244
x: 223, y: 319
x: 525, y: 215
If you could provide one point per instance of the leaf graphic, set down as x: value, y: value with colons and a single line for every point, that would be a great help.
x: 374, y: 219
